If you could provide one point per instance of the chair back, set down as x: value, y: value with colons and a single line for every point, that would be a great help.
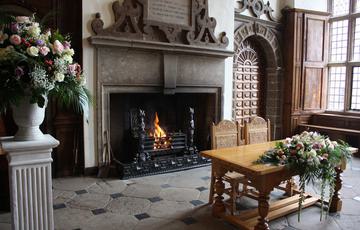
x: 257, y: 130
x: 225, y: 134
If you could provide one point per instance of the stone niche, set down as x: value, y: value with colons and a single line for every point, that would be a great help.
x: 135, y: 67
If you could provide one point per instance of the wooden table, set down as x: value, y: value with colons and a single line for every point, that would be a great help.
x: 264, y: 178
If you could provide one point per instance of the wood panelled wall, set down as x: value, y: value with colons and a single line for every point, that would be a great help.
x: 305, y: 59
x: 63, y: 124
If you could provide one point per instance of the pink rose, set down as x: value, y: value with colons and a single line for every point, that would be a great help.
x: 15, y: 39
x: 44, y: 50
x: 74, y: 69
x: 57, y: 47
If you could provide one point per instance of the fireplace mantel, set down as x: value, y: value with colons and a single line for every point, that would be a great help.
x: 136, y: 56
x: 98, y: 40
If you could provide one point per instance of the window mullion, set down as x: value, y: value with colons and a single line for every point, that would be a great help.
x: 347, y: 96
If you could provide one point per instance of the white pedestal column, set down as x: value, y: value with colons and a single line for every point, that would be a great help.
x: 30, y: 182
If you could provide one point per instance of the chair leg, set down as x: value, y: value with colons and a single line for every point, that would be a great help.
x: 211, y: 190
x: 234, y: 195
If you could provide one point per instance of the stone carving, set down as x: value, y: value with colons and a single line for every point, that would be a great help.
x: 205, y: 26
x: 131, y: 21
x: 127, y: 17
x: 257, y: 8
x: 261, y: 32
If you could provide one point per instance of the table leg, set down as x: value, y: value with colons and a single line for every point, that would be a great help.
x: 290, y: 187
x: 263, y: 209
x: 336, y: 203
x: 219, y: 206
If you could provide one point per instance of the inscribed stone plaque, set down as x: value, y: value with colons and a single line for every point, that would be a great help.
x: 176, y: 12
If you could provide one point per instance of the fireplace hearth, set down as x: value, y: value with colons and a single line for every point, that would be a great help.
x: 156, y: 133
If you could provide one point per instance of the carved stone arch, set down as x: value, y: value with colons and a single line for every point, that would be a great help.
x: 267, y: 39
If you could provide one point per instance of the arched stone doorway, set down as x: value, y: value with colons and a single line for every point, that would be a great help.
x: 257, y: 74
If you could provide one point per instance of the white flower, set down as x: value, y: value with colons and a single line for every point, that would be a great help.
x: 312, y: 153
x: 34, y: 30
x: 33, y: 51
x: 22, y: 19
x: 69, y: 52
x: 67, y: 58
x: 59, y: 77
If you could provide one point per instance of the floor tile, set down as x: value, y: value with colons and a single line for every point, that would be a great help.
x: 179, y: 194
x: 89, y: 201
x: 129, y: 205
x: 201, y: 188
x: 98, y: 211
x: 142, y: 216
x: 74, y: 183
x: 165, y: 186
x: 169, y: 209
x: 108, y: 187
x: 196, y: 202
x: 206, y: 178
x: 111, y: 221
x: 189, y: 220
x: 58, y: 206
x: 82, y: 191
x: 155, y: 199
x: 116, y: 195
x: 142, y: 190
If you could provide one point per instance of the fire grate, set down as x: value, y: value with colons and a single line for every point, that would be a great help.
x: 161, y: 152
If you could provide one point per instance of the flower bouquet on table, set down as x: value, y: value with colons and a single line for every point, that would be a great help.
x: 36, y: 63
x: 313, y: 156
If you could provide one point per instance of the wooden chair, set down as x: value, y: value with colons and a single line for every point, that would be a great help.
x: 257, y: 130
x: 227, y: 134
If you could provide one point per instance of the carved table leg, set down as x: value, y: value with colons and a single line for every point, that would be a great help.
x: 336, y: 203
x: 290, y: 187
x: 263, y: 211
x: 219, y: 206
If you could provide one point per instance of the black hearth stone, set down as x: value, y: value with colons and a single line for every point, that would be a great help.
x: 158, y: 166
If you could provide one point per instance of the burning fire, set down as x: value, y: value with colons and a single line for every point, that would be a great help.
x: 158, y: 131
x: 162, y: 141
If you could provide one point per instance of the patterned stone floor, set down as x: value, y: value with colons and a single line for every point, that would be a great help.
x: 174, y: 201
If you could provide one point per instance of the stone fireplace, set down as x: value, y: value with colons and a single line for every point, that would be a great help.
x: 158, y: 74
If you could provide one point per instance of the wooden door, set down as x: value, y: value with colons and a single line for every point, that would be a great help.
x: 248, y: 82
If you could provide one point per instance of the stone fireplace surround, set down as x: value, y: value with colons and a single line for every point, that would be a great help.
x: 136, y: 66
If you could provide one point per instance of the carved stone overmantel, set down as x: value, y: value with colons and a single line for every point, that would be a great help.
x: 132, y: 22
x: 152, y: 46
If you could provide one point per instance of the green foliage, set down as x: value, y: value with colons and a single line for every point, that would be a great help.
x: 313, y: 157
x: 36, y: 63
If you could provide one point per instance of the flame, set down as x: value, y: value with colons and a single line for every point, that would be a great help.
x: 158, y: 132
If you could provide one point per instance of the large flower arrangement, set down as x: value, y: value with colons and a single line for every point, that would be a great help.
x: 35, y: 63
x: 313, y: 156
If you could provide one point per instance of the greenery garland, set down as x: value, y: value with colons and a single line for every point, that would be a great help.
x: 313, y: 157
